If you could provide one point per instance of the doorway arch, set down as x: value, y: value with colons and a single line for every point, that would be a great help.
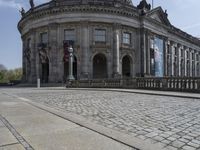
x: 126, y: 66
x: 45, y: 71
x: 99, y: 66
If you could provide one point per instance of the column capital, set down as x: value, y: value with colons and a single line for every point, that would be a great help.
x: 84, y: 23
x: 117, y: 26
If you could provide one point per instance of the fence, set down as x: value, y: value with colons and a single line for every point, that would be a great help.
x: 166, y: 83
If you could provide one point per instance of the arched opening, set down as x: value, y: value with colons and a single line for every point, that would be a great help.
x: 99, y: 66
x: 75, y: 67
x: 126, y: 66
x: 45, y: 71
x: 66, y: 69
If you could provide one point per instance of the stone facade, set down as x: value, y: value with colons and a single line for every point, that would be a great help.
x: 112, y: 39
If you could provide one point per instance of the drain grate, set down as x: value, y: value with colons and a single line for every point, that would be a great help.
x: 21, y: 140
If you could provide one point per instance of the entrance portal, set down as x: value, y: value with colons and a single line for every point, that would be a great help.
x: 45, y: 72
x: 126, y: 66
x: 99, y: 66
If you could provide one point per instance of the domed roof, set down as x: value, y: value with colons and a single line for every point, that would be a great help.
x: 100, y: 2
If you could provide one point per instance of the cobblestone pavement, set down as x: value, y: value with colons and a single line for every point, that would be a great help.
x: 174, y: 122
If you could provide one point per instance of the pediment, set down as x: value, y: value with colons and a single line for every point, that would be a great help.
x: 159, y: 15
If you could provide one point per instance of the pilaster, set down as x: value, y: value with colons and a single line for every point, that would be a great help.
x: 116, y: 51
x: 84, y: 49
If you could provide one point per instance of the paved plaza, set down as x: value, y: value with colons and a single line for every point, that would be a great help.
x: 171, y: 122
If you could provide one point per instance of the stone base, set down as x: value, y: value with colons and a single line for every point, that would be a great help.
x: 117, y: 75
x: 84, y: 76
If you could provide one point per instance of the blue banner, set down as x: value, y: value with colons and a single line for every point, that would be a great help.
x: 158, y: 54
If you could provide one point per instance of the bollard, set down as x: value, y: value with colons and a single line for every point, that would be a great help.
x: 38, y: 83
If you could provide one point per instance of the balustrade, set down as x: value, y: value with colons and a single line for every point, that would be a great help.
x: 166, y: 83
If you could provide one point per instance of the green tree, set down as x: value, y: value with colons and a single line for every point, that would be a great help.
x: 10, y: 75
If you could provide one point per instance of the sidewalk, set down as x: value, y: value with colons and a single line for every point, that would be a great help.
x: 23, y: 126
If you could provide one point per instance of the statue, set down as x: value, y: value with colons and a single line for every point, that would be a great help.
x: 22, y: 11
x: 31, y: 4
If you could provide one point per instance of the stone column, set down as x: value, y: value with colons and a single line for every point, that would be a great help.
x: 84, y: 50
x: 24, y: 61
x: 172, y: 57
x: 143, y: 52
x: 148, y: 60
x: 53, y: 52
x: 60, y: 55
x: 179, y: 47
x: 166, y: 58
x: 33, y: 58
x: 185, y: 49
x: 195, y: 63
x: 190, y: 52
x: 37, y: 62
x: 116, y: 52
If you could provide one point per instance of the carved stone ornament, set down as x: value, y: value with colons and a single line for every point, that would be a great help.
x: 32, y: 4
x: 27, y: 54
x: 43, y: 55
x: 22, y: 11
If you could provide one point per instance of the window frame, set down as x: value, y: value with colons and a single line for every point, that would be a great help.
x: 70, y: 35
x: 42, y: 39
x: 99, y: 38
x: 126, y: 38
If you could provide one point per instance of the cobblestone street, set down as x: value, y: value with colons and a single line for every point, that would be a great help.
x: 172, y: 121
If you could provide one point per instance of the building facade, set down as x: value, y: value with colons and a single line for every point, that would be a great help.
x: 111, y: 39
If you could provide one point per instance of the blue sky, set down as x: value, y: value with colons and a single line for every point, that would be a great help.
x: 184, y: 14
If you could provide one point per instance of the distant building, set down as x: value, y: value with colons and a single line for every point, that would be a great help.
x: 112, y: 39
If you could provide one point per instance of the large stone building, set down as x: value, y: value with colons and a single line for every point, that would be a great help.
x: 112, y: 39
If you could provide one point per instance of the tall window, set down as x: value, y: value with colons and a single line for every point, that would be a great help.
x: 126, y: 38
x: 70, y: 35
x: 44, y: 38
x: 100, y: 35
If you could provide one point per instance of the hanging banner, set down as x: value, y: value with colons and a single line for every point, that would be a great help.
x: 158, y: 54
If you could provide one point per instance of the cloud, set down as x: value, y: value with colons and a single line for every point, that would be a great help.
x: 191, y: 26
x: 18, y: 4
x: 11, y: 4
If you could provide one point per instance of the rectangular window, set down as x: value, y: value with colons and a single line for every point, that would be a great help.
x: 188, y: 55
x: 168, y: 49
x: 44, y: 38
x: 182, y: 53
x: 70, y: 35
x: 175, y: 51
x: 100, y: 35
x: 193, y: 56
x: 126, y: 38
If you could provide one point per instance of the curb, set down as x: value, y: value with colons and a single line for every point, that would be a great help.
x: 139, y: 92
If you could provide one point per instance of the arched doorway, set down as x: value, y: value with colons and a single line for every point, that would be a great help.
x: 75, y: 67
x: 66, y: 69
x: 45, y: 71
x: 126, y: 66
x: 99, y: 66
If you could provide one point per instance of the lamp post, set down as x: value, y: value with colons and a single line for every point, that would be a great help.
x: 71, y: 56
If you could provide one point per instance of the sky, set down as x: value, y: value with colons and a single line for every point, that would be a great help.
x: 183, y: 14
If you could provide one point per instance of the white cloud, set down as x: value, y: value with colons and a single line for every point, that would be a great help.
x: 18, y: 4
x: 10, y: 3
x: 192, y: 26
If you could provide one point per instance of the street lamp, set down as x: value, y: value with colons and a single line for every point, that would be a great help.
x: 71, y: 56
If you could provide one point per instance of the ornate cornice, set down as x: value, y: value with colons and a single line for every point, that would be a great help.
x: 46, y: 11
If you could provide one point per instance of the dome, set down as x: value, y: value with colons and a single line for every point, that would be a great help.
x: 93, y: 2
